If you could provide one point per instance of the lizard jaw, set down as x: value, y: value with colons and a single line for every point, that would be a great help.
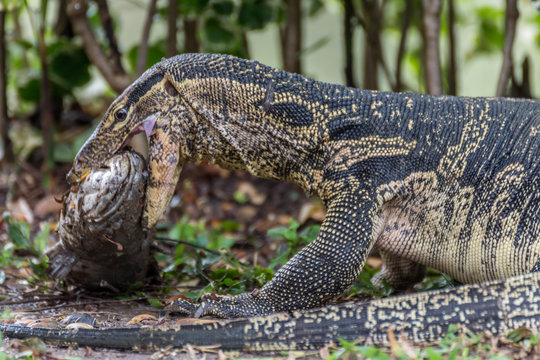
x: 147, y: 126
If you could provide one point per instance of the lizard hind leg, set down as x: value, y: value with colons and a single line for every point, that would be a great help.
x: 165, y: 166
x: 398, y: 272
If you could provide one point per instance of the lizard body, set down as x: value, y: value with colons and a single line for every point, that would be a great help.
x: 447, y: 182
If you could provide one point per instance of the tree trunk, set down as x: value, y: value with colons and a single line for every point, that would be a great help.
x: 109, y: 69
x: 245, y: 45
x: 398, y: 85
x: 371, y: 39
x: 432, y: 63
x: 348, y: 36
x: 172, y: 21
x: 46, y: 110
x: 522, y: 89
x: 142, y: 56
x: 106, y: 21
x: 291, y: 39
x: 4, y: 146
x: 191, y: 44
x: 510, y: 23
x: 452, y: 70
x: 63, y: 26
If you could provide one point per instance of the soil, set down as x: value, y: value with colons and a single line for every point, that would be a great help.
x: 205, y: 193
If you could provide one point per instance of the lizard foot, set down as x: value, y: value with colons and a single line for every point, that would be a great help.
x: 242, y: 305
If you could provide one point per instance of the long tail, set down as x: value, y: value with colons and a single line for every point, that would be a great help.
x: 498, y: 306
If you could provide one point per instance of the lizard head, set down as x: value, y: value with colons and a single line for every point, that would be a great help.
x: 136, y: 110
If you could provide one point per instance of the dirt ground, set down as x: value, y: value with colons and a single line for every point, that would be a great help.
x: 205, y: 193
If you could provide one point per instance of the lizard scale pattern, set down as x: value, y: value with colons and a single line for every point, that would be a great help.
x: 440, y: 181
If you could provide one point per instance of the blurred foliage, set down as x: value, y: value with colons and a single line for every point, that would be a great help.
x: 292, y: 240
x: 221, y: 26
x: 23, y: 249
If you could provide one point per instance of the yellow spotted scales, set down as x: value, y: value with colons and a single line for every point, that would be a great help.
x: 446, y: 182
x: 497, y: 307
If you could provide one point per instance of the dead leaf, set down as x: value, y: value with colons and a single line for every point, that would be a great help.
x: 176, y: 297
x: 394, y: 346
x: 47, y: 205
x: 311, y: 210
x: 142, y: 318
x: 246, y: 212
x: 374, y: 262
x: 324, y: 352
x: 194, y: 321
x: 43, y: 323
x: 247, y: 189
x: 20, y: 210
x: 79, y: 326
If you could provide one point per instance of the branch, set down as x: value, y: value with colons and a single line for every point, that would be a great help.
x: 62, y: 26
x: 522, y: 89
x: 510, y: 23
x: 172, y: 20
x: 191, y: 44
x: 452, y: 71
x: 373, y: 53
x: 431, y: 21
x: 77, y: 12
x: 348, y: 34
x: 402, y: 41
x: 3, y: 89
x: 292, y: 37
x: 106, y: 21
x: 142, y: 57
x: 46, y: 113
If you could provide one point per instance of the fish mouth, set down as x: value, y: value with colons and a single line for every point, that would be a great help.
x: 146, y: 126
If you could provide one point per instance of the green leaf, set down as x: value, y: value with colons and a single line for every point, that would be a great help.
x: 193, y: 7
x: 240, y: 197
x: 6, y: 313
x: 155, y: 303
x: 216, y: 32
x: 28, y: 89
x: 156, y: 52
x: 519, y: 334
x: 42, y: 238
x: 69, y: 65
x: 224, y: 8
x: 255, y: 14
x: 19, y: 233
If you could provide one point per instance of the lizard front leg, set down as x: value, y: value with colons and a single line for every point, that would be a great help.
x: 320, y: 272
x: 164, y: 165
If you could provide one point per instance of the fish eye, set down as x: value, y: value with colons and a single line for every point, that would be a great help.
x: 120, y: 114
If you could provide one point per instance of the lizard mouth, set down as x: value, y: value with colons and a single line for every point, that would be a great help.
x: 147, y: 126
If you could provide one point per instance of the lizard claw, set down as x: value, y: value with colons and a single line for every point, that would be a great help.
x: 181, y: 306
x: 243, y: 305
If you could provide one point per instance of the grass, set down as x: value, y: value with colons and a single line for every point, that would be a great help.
x: 205, y: 256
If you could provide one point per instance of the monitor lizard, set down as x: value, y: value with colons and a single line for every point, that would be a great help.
x: 440, y: 181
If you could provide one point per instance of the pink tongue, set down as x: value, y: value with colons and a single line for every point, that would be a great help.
x: 148, y: 126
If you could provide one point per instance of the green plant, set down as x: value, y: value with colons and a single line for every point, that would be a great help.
x: 23, y: 249
x: 294, y: 238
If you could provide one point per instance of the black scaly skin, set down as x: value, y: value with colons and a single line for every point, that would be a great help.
x: 447, y: 182
x: 496, y: 307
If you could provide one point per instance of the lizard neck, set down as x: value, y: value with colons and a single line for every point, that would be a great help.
x: 280, y: 125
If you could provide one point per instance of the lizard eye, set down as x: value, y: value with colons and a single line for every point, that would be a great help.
x: 170, y: 89
x: 120, y: 114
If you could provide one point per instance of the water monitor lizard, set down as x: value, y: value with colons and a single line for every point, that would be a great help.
x: 440, y: 181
